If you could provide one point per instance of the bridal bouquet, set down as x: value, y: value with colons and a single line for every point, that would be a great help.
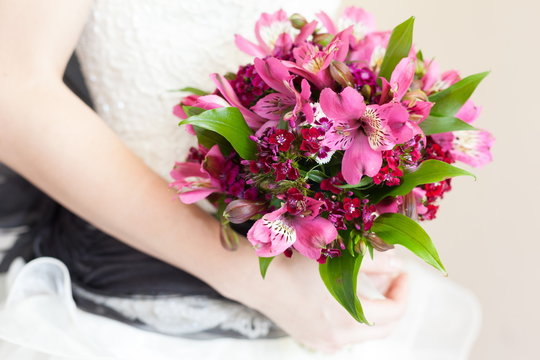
x: 332, y: 144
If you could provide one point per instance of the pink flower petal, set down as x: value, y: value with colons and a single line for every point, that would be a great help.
x: 364, y: 51
x: 402, y: 77
x: 270, y: 21
x: 396, y: 117
x: 342, y: 43
x: 248, y: 47
x: 273, y: 73
x: 469, y: 112
x: 364, y: 22
x: 307, y: 31
x: 359, y: 160
x: 192, y: 196
x: 346, y: 106
x: 327, y: 22
x: 253, y: 120
x: 273, y: 106
x: 431, y: 76
x: 313, y: 235
x: 473, y: 147
x: 178, y: 111
x: 271, y: 235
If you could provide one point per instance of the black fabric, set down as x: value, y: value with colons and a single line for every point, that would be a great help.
x: 95, y: 260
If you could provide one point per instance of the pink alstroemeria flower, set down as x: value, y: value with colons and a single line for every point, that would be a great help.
x: 189, y: 100
x: 362, y: 131
x: 307, y: 232
x: 362, y: 22
x: 312, y: 63
x: 400, y: 81
x: 253, y: 120
x: 194, y: 181
x: 274, y: 33
x: 287, y: 103
x: 434, y: 81
x: 472, y: 147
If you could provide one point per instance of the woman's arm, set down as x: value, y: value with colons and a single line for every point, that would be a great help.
x: 53, y: 139
x: 49, y: 136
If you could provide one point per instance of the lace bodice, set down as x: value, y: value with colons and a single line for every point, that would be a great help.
x: 133, y: 53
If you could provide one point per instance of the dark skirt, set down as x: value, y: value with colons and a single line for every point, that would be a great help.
x: 97, y: 262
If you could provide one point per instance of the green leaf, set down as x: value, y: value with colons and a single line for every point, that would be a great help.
x: 430, y: 171
x: 440, y: 124
x: 340, y: 275
x: 449, y: 101
x: 193, y: 91
x: 316, y: 175
x: 366, y: 180
x: 420, y: 55
x: 401, y: 230
x: 399, y: 47
x: 209, y: 138
x: 229, y: 123
x: 192, y: 110
x: 264, y: 262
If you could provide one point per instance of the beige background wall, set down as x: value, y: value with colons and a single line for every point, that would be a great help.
x: 488, y: 230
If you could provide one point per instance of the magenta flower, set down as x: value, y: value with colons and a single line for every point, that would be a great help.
x: 253, y: 120
x: 362, y: 131
x: 305, y: 230
x: 400, y: 81
x: 362, y: 22
x: 194, y: 181
x: 274, y: 33
x: 472, y: 147
x: 312, y: 62
x: 287, y: 103
x: 434, y: 81
x: 371, y: 50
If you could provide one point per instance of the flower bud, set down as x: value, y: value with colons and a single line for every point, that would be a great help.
x: 366, y: 91
x: 408, y: 206
x: 298, y: 21
x: 240, y: 211
x: 378, y: 243
x: 341, y: 73
x: 228, y: 238
x: 323, y: 39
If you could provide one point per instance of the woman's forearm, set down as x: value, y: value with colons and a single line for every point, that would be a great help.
x: 53, y: 139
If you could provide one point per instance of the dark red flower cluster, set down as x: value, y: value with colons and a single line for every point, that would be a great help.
x: 311, y: 138
x: 282, y: 138
x: 269, y: 145
x: 357, y: 211
x: 248, y: 85
x: 295, y: 201
x: 390, y: 173
x: 405, y: 155
x: 435, y: 151
x: 331, y: 184
x: 435, y: 191
x: 363, y: 75
x: 196, y: 154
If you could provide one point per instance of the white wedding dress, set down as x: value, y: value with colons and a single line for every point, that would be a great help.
x: 132, y: 53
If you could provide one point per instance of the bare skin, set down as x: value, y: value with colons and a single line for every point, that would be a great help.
x: 53, y: 139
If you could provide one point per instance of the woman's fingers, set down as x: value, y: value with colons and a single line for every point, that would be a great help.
x: 392, y: 308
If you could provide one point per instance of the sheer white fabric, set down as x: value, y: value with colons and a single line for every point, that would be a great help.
x: 39, y: 320
x: 131, y: 54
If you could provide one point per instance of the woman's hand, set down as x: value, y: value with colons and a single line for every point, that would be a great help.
x: 295, y: 298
